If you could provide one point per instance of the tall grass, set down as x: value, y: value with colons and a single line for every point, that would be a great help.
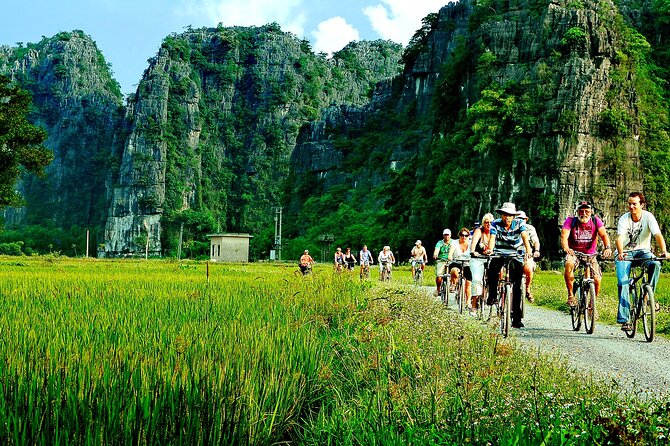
x: 111, y: 352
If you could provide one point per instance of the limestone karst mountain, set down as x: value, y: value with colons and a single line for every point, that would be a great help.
x: 541, y: 103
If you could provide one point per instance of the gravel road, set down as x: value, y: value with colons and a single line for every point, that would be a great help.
x: 633, y: 365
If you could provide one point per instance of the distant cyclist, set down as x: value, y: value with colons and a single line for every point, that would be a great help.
x: 306, y: 262
x: 365, y: 258
x: 580, y: 234
x: 339, y: 260
x: 349, y: 259
x: 418, y: 257
x: 441, y: 254
x: 634, y: 231
x: 385, y: 259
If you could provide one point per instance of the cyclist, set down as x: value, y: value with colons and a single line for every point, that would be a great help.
x: 306, y: 262
x: 581, y: 234
x: 349, y: 259
x: 460, y: 250
x: 529, y: 265
x: 483, y: 240
x: 634, y: 231
x: 511, y: 236
x: 365, y: 258
x: 385, y: 259
x: 339, y: 260
x: 441, y: 254
x: 418, y: 256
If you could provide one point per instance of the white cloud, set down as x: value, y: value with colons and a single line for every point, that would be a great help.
x: 398, y: 20
x: 288, y: 13
x: 333, y: 34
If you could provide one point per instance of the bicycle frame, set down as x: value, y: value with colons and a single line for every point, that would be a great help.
x: 584, y: 290
x: 642, y: 301
x: 505, y: 294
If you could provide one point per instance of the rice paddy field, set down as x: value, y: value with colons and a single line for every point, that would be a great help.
x: 99, y: 352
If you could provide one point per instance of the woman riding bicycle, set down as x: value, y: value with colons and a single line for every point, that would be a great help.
x: 349, y: 259
x: 385, y: 259
x: 461, y: 251
x: 483, y: 240
x: 418, y: 257
x: 339, y: 260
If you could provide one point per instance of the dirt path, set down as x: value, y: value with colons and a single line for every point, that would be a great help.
x: 633, y: 365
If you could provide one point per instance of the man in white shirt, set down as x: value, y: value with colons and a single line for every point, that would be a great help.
x: 633, y: 243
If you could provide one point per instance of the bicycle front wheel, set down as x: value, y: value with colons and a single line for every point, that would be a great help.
x: 633, y: 312
x: 444, y: 294
x: 590, y: 309
x: 575, y: 313
x: 648, y: 310
x: 460, y: 295
x: 506, y: 310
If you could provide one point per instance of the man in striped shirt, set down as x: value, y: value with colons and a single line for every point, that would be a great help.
x: 511, y: 236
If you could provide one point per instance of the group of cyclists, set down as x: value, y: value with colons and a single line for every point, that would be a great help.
x: 510, y: 240
x: 495, y: 241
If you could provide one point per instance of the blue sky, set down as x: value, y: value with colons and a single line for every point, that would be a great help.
x: 128, y: 32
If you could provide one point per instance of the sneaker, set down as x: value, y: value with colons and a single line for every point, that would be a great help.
x: 436, y: 293
x: 517, y: 324
x: 452, y: 288
x: 473, y: 313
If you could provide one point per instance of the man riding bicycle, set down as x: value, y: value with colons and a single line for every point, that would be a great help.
x: 339, y: 260
x: 418, y: 256
x: 441, y: 254
x: 306, y: 262
x: 580, y: 234
x: 633, y: 243
x: 365, y: 258
x: 510, y: 236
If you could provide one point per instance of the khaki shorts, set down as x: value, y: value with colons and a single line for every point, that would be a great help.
x: 596, y: 273
x: 441, y: 268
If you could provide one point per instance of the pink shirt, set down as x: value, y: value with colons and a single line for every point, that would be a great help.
x: 583, y: 237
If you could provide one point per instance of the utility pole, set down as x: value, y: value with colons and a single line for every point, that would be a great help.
x: 181, y: 239
x: 278, y: 216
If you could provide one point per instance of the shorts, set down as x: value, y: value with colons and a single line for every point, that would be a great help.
x: 466, y: 270
x: 441, y: 268
x: 596, y: 273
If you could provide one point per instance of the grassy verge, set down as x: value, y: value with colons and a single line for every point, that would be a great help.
x: 154, y: 353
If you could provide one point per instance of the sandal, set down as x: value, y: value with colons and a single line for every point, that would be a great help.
x: 530, y: 297
x: 657, y: 306
x: 626, y: 327
x: 572, y: 302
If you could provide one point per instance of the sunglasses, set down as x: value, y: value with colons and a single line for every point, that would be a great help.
x: 465, y: 235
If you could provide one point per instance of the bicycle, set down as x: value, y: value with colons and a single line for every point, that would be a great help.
x: 584, y: 289
x: 642, y: 302
x: 365, y: 272
x: 460, y: 285
x: 418, y: 271
x: 503, y: 303
x: 385, y: 271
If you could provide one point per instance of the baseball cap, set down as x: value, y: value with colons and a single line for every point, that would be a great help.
x: 522, y: 214
x: 446, y: 231
x: 418, y: 242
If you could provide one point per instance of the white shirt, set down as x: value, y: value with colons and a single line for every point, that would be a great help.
x: 637, y: 235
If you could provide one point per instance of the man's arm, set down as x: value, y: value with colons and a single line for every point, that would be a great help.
x: 565, y: 243
x: 619, y: 247
x: 526, y: 243
x: 602, y: 232
x: 660, y: 241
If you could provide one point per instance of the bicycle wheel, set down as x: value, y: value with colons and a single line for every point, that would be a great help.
x: 575, y: 311
x: 506, y: 310
x: 444, y: 294
x: 633, y: 313
x: 648, y: 312
x: 460, y: 295
x: 590, y: 308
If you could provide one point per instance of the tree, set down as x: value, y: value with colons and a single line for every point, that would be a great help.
x: 20, y: 141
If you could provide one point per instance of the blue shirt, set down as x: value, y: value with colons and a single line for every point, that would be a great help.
x: 508, y: 241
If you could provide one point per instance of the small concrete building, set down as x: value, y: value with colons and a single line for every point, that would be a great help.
x: 231, y: 247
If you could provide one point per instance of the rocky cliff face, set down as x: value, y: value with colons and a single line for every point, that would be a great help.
x: 79, y: 104
x: 213, y: 125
